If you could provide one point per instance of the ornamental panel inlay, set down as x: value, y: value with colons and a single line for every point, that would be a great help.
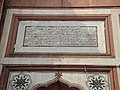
x: 20, y: 82
x: 96, y: 82
x: 60, y: 36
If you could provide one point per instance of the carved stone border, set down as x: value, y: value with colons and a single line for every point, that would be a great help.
x: 99, y: 17
x: 68, y: 68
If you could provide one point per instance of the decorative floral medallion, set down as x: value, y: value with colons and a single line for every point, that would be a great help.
x: 96, y: 82
x: 20, y: 82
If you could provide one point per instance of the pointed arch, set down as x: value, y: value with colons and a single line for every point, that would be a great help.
x: 58, y: 84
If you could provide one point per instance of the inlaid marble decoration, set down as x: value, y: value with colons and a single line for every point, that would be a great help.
x: 20, y: 82
x: 60, y: 36
x: 96, y: 82
x: 17, y: 80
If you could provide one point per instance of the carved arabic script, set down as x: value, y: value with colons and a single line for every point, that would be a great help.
x: 60, y: 36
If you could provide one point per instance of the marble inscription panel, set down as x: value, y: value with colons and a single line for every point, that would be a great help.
x: 60, y: 36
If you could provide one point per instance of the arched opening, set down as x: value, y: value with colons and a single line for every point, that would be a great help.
x: 58, y: 84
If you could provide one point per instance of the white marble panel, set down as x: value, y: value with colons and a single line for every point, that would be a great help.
x: 63, y: 61
x: 82, y: 78
x: 60, y: 11
x: 100, y: 11
x: 60, y: 36
x: 79, y: 78
x: 76, y: 11
x: 100, y: 47
x: 116, y: 33
x: 36, y: 77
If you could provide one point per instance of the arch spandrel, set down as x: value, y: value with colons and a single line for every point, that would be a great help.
x: 58, y: 84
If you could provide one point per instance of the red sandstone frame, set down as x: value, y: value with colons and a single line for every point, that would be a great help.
x: 112, y: 72
x: 106, y: 18
x: 62, y: 3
